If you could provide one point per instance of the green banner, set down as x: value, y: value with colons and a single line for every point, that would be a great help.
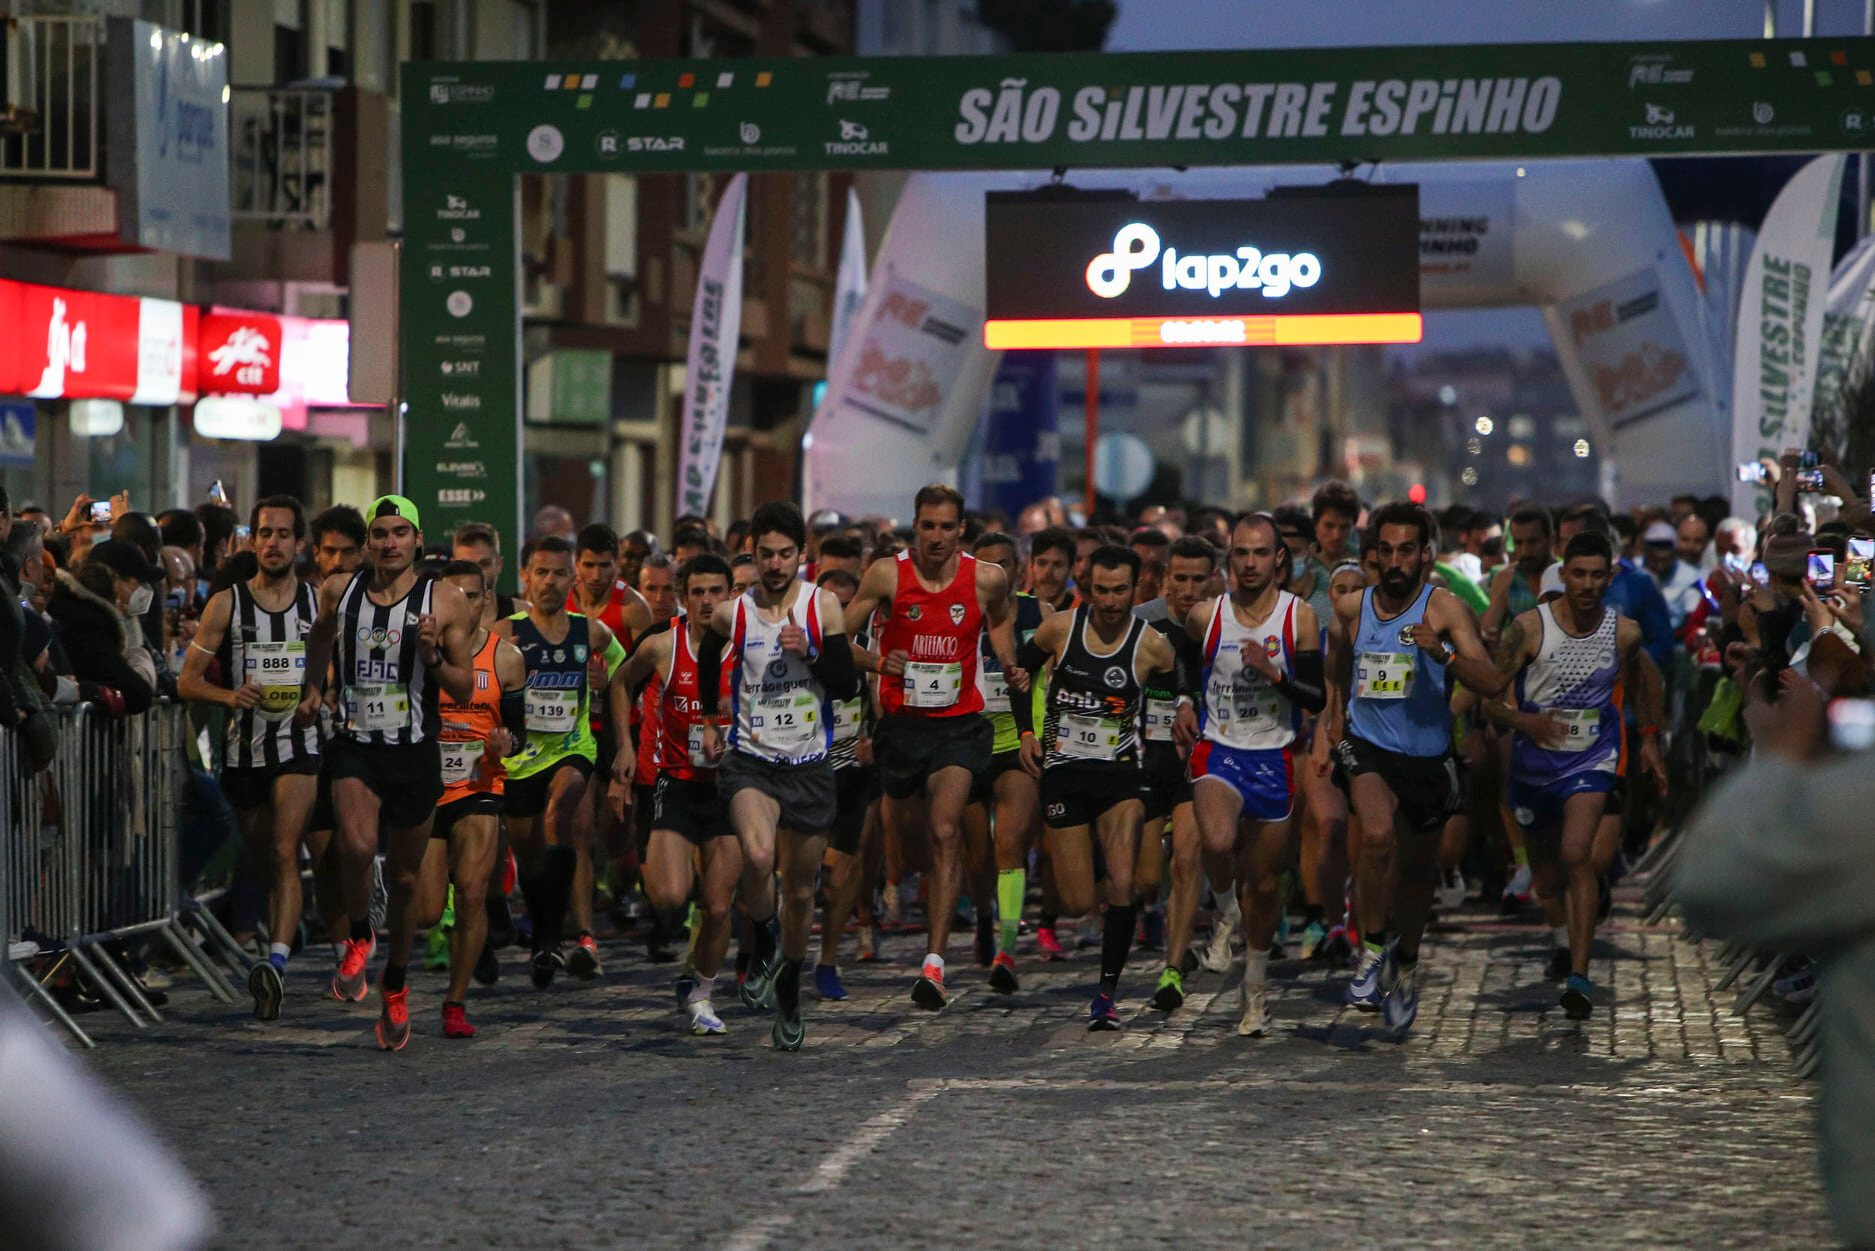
x: 1124, y: 109
x: 461, y: 323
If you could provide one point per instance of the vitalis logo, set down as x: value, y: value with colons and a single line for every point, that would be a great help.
x: 856, y: 140
x: 1660, y: 124
x: 456, y: 400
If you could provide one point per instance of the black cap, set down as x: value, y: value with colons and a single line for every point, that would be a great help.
x: 126, y: 560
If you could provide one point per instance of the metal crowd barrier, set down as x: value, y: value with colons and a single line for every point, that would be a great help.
x: 89, y: 860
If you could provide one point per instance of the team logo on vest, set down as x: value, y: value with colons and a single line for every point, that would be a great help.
x: 913, y: 613
x: 957, y: 614
x: 1272, y: 646
x: 579, y: 652
x: 1116, y: 677
x: 1406, y: 636
x: 778, y: 668
x: 378, y: 640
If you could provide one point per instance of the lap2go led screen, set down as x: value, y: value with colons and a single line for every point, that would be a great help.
x: 1309, y: 267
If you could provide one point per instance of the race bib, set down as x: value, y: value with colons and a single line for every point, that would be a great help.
x: 932, y: 684
x: 848, y: 716
x: 279, y: 669
x: 1087, y: 738
x: 699, y: 759
x: 785, y: 723
x: 995, y: 690
x: 551, y: 712
x: 1250, y: 706
x: 1383, y: 675
x: 1581, y: 726
x: 1160, y: 716
x: 462, y: 761
x: 378, y: 707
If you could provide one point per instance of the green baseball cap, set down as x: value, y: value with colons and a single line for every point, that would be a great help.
x: 393, y: 506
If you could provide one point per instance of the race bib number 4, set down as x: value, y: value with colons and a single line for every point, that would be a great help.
x: 462, y: 761
x: 932, y: 685
x: 378, y: 707
x: 279, y: 669
x: 551, y: 712
x: 785, y: 723
x: 1580, y: 726
x: 1383, y: 675
x: 1088, y: 738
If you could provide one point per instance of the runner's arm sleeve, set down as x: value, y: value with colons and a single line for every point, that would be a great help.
x: 835, y: 669
x: 710, y: 669
x: 1030, y: 658
x: 1305, y: 684
x: 1188, y: 675
x: 614, y: 657
x: 514, y: 714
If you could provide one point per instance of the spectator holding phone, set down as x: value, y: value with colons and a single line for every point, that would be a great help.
x: 96, y: 610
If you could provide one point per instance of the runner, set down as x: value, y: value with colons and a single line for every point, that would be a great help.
x: 1088, y: 757
x: 1189, y: 565
x: 255, y: 632
x: 689, y: 828
x: 338, y: 541
x: 1005, y: 804
x: 1327, y: 930
x: 398, y: 636
x: 930, y: 744
x: 547, y: 777
x: 1393, y: 649
x: 788, y: 660
x: 480, y: 544
x: 1262, y: 670
x: 1573, y: 660
x: 476, y: 735
x: 856, y: 787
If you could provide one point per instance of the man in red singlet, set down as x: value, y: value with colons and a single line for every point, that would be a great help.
x: 934, y: 601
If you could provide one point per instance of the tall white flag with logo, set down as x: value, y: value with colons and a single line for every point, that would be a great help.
x: 1780, y: 324
x: 715, y: 330
x: 849, y: 283
x: 1848, y: 323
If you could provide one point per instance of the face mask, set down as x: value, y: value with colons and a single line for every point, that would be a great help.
x: 140, y: 600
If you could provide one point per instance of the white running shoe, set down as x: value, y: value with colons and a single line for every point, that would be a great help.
x: 1452, y: 891
x: 703, y: 1018
x: 1255, y: 1019
x: 1216, y: 955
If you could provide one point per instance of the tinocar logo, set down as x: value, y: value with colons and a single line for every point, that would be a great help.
x: 1136, y: 245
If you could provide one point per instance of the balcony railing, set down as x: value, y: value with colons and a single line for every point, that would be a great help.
x: 280, y: 149
x: 52, y: 67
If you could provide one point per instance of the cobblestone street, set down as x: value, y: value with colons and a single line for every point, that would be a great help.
x: 586, y: 1116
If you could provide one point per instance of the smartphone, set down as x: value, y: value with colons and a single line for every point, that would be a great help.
x: 1856, y: 562
x: 101, y: 510
x: 1820, y: 572
x: 1759, y: 573
x: 1852, y: 724
x: 242, y: 533
x: 1809, y: 481
x: 1754, y: 471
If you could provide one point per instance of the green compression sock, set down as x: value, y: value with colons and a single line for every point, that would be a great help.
x: 1011, y: 886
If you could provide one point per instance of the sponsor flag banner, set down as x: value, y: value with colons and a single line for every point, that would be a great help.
x: 907, y: 362
x: 1629, y: 344
x: 1848, y: 324
x: 849, y: 284
x: 715, y: 331
x: 1780, y: 324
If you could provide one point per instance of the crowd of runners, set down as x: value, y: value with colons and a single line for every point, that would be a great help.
x: 1314, y: 725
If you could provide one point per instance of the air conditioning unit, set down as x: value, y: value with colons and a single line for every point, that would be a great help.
x: 19, y: 76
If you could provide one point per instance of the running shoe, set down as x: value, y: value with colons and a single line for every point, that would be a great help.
x: 487, y: 966
x: 1558, y: 967
x: 1152, y: 930
x: 456, y: 1022
x: 348, y: 984
x: 1576, y: 1001
x: 827, y: 982
x: 1102, y: 1015
x: 1516, y: 892
x: 393, y: 1027
x: 928, y: 991
x: 1170, y: 993
x: 986, y: 939
x: 704, y: 1022
x: 1050, y: 945
x: 1003, y: 974
x: 545, y: 966
x: 266, y: 985
x: 683, y: 984
x: 1364, y: 991
x: 1254, y: 1020
x: 868, y: 944
x: 757, y: 990
x: 1452, y: 891
x: 788, y: 1035
x: 584, y: 961
x: 436, y: 949
x: 1338, y: 945
x: 1314, y: 935
x: 1216, y: 955
x: 1401, y: 1006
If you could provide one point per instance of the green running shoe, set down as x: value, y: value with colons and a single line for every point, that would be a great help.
x: 1171, y: 990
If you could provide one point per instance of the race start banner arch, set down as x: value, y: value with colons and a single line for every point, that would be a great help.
x: 469, y: 128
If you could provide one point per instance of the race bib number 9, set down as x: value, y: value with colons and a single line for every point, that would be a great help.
x: 932, y: 685
x: 1088, y: 738
x: 1383, y: 675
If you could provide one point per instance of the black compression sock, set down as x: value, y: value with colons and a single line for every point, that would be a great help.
x: 394, y: 977
x: 532, y: 886
x: 361, y: 931
x: 1116, y: 940
x: 764, y: 942
x: 788, y: 988
x: 556, y: 890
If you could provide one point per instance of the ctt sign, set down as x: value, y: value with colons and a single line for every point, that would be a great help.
x: 1338, y: 265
